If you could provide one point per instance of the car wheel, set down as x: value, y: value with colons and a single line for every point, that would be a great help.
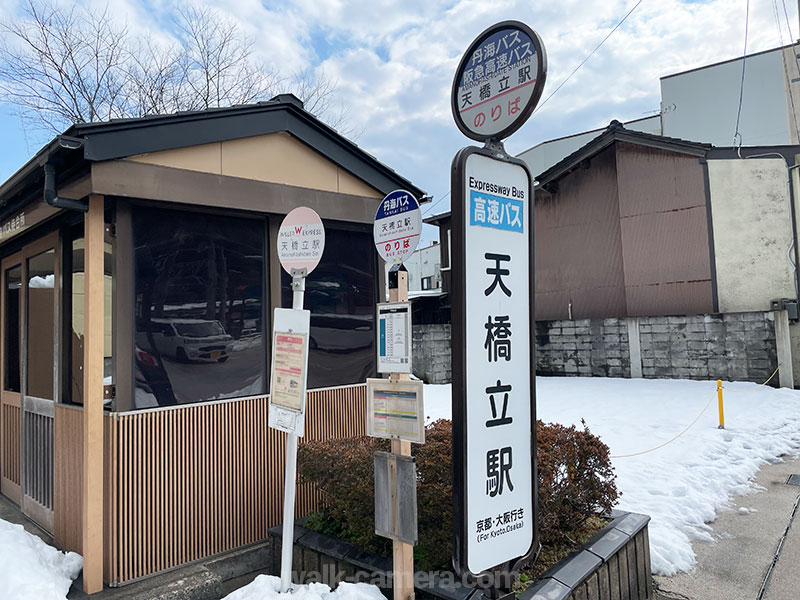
x: 180, y: 354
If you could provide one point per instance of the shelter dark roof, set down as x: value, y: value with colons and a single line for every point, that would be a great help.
x: 88, y: 142
x: 616, y: 132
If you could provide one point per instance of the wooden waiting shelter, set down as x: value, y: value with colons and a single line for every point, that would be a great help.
x: 139, y: 273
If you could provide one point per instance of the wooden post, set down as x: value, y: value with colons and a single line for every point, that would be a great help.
x: 92, y: 522
x: 403, y: 553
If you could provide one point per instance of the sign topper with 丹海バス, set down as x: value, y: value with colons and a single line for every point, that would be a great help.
x: 398, y: 225
x: 499, y: 81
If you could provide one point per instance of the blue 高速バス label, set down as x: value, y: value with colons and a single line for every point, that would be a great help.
x: 487, y: 210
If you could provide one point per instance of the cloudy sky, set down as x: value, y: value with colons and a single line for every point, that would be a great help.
x: 394, y: 62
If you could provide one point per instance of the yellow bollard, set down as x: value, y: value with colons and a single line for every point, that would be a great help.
x: 721, y: 411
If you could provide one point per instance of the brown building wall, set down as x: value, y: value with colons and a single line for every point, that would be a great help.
x: 578, y: 244
x: 664, y: 225
x: 626, y: 234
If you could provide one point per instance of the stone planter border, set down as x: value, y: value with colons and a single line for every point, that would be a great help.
x: 613, y: 565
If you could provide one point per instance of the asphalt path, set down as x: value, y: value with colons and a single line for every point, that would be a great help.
x: 744, y: 561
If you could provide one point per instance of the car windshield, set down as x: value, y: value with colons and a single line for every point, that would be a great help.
x: 201, y: 329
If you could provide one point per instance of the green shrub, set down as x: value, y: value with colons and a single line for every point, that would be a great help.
x: 576, y: 481
x: 435, y: 497
x: 343, y: 471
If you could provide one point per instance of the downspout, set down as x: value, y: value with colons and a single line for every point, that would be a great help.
x: 790, y: 185
x: 50, y: 194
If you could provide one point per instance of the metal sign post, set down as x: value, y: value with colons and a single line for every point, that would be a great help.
x: 301, y: 242
x: 290, y: 476
x: 496, y: 87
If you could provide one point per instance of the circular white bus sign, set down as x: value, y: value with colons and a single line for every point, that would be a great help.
x: 301, y: 240
x: 398, y: 224
x: 499, y: 81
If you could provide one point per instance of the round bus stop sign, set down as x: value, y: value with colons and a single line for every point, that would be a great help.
x: 398, y: 224
x: 499, y: 81
x: 301, y: 240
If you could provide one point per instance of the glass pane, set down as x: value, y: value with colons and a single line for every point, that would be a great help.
x: 41, y: 330
x: 199, y: 293
x: 13, y: 286
x: 77, y: 320
x: 340, y: 293
x: 77, y: 328
x: 108, y: 330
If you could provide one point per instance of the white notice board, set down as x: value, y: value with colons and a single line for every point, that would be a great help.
x: 395, y: 410
x: 394, y: 337
x: 287, y: 399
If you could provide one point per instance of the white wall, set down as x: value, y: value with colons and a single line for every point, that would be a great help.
x: 701, y: 105
x: 545, y: 155
x: 752, y: 232
x: 425, y: 262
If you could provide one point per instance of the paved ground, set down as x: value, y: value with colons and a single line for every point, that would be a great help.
x: 736, y: 565
x: 10, y: 512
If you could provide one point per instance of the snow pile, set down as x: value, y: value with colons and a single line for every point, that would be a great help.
x: 683, y: 484
x: 268, y: 587
x: 32, y: 570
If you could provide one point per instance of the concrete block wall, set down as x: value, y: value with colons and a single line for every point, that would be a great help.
x: 431, y: 356
x: 734, y: 346
x: 596, y: 347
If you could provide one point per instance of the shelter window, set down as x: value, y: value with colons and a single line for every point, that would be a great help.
x: 12, y: 340
x: 198, y: 301
x: 41, y: 300
x: 341, y: 294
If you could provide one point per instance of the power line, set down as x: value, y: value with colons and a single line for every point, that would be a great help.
x: 779, y: 25
x: 797, y: 64
x: 575, y: 70
x: 737, y: 137
x: 778, y: 21
x: 427, y: 210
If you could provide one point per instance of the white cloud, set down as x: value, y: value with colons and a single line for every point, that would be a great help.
x: 394, y: 60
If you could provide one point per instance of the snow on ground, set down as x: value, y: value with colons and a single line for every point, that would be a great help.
x: 32, y: 570
x: 268, y: 587
x: 683, y: 484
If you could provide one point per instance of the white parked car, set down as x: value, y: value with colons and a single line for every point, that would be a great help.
x: 192, y: 340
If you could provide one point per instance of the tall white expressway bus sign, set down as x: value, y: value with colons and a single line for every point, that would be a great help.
x: 494, y: 409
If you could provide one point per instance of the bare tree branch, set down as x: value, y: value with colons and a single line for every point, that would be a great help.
x: 320, y: 97
x: 63, y: 66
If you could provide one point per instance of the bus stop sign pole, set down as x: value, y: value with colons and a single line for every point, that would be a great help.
x: 290, y: 477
